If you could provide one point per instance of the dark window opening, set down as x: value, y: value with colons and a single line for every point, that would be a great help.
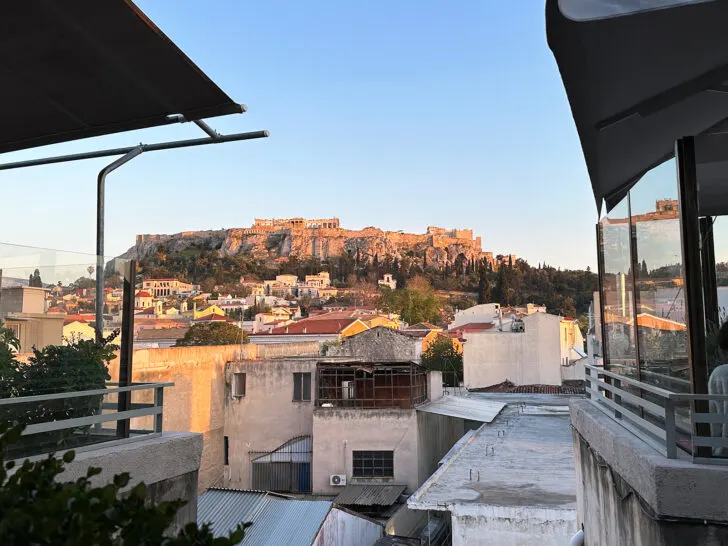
x: 373, y: 464
x: 302, y: 387
x: 239, y: 384
x: 227, y: 451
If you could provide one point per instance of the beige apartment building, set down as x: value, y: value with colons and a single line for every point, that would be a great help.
x: 322, y: 280
x: 160, y: 288
x: 23, y: 310
x: 314, y: 424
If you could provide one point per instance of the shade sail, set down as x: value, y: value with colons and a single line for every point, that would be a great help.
x: 637, y: 80
x: 84, y: 68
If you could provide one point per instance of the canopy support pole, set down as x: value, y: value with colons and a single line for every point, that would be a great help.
x: 100, y: 265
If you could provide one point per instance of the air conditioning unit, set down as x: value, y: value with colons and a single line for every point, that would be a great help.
x: 338, y: 480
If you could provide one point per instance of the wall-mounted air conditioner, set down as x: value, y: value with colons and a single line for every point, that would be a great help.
x: 337, y: 480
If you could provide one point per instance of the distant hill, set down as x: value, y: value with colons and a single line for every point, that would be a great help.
x: 275, y: 240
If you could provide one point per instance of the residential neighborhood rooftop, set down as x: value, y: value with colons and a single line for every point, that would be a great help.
x: 521, y: 459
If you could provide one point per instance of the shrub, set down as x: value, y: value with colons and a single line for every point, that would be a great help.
x: 35, y: 508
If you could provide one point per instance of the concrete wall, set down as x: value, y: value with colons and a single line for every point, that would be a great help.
x: 197, y: 401
x: 344, y: 528
x: 436, y: 434
x: 474, y: 524
x: 266, y: 417
x: 627, y: 493
x: 530, y: 357
x: 166, y: 464
x: 339, y: 431
x: 434, y: 385
x: 379, y: 344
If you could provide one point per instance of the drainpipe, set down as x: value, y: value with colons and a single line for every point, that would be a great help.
x: 100, y: 202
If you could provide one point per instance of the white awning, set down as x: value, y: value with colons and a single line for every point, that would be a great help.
x: 483, y: 411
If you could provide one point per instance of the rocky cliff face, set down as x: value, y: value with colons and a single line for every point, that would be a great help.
x: 276, y: 244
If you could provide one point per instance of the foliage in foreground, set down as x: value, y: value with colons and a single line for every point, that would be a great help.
x: 214, y: 333
x: 35, y: 508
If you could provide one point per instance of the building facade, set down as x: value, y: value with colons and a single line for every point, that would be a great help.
x: 160, y: 288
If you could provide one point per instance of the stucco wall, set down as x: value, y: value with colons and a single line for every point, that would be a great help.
x: 266, y: 417
x: 436, y: 434
x: 530, y: 357
x: 342, y: 528
x: 379, y: 343
x: 339, y: 431
x: 474, y: 524
x: 197, y: 401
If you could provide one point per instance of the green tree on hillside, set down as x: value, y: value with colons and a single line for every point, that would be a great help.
x: 213, y: 333
x: 415, y: 303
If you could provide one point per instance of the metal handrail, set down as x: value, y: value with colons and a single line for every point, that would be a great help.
x: 79, y: 394
x: 661, y: 432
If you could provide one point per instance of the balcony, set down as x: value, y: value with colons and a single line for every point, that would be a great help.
x: 370, y: 385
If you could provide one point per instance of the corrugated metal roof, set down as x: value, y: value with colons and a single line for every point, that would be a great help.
x: 483, y: 411
x: 369, y: 494
x: 224, y: 509
x: 276, y: 521
x: 286, y: 522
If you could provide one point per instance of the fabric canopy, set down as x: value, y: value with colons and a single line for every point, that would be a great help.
x: 85, y: 68
x: 639, y: 79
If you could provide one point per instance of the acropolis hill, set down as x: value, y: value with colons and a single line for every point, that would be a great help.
x: 320, y: 238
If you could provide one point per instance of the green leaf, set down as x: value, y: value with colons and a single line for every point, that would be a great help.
x: 68, y: 456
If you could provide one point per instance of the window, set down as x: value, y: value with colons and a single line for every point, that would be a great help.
x: 227, y: 451
x: 238, y: 385
x: 373, y: 464
x: 301, y: 387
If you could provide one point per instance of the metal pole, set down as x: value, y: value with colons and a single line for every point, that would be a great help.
x: 126, y: 352
x: 710, y: 288
x: 144, y: 147
x: 690, y: 242
x: 100, y: 201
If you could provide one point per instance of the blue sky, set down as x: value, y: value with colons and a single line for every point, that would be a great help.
x: 395, y: 114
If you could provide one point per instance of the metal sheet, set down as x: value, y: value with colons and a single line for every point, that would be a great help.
x: 287, y: 523
x: 370, y: 494
x: 224, y: 509
x: 483, y: 411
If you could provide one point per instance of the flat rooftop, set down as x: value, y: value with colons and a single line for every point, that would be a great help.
x: 524, y: 458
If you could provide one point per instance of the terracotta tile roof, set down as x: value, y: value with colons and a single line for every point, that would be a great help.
x: 214, y: 318
x: 143, y: 294
x: 423, y: 326
x: 508, y: 387
x: 79, y: 318
x: 313, y: 326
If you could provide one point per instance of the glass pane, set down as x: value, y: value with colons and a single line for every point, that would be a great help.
x: 296, y: 386
x: 306, y: 386
x: 616, y: 297
x: 659, y: 280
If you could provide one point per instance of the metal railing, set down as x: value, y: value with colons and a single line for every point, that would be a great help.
x: 665, y: 420
x: 75, y: 420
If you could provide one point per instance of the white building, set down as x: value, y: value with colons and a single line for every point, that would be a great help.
x: 512, y: 482
x: 388, y: 280
x: 544, y: 352
x: 486, y: 312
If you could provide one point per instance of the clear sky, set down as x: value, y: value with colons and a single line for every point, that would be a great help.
x: 398, y: 114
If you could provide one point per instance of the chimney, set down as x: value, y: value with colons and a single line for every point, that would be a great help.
x: 304, y: 329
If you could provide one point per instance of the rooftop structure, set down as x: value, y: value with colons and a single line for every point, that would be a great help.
x: 280, y: 520
x: 511, y: 482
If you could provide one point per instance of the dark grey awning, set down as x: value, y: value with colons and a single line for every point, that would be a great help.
x: 85, y: 68
x: 638, y: 79
x: 370, y: 494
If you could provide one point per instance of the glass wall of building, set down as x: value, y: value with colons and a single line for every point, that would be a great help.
x: 642, y: 284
